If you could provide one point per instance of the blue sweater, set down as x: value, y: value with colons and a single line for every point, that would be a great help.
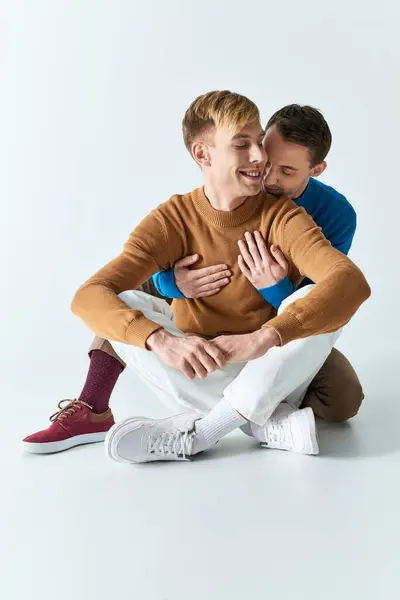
x: 330, y: 211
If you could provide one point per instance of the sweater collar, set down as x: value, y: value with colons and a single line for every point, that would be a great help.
x: 222, y: 218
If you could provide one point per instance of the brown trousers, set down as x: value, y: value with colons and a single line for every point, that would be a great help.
x: 335, y: 393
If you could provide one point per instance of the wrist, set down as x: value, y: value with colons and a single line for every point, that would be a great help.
x: 165, y: 284
x: 278, y: 292
x: 269, y: 336
x: 156, y: 339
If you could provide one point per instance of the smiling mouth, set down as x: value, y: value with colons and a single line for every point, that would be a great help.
x: 252, y: 175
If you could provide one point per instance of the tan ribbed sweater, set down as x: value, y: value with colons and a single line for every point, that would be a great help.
x: 188, y: 224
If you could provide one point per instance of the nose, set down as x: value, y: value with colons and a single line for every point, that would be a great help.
x: 271, y: 177
x: 258, y: 154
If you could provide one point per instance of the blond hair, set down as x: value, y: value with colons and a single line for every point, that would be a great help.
x: 217, y: 109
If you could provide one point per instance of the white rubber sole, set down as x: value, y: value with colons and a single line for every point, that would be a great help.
x: 119, y: 430
x: 308, y: 418
x: 52, y: 447
x: 311, y: 446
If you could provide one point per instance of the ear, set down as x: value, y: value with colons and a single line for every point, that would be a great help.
x: 318, y: 169
x: 201, y: 154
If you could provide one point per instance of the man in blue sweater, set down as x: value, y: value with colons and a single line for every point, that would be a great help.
x: 297, y: 141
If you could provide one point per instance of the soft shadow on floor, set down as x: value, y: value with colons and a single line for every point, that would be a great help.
x: 373, y: 432
x: 233, y: 445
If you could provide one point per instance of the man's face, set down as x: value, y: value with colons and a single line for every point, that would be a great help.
x: 237, y: 160
x: 288, y: 166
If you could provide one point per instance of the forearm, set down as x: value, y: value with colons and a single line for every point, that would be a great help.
x: 98, y: 305
x: 340, y: 287
x: 111, y: 318
x: 328, y: 306
x: 97, y: 302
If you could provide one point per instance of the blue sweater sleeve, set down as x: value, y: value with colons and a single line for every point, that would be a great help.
x: 277, y: 293
x: 165, y: 284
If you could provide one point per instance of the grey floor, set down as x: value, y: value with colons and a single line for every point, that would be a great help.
x: 241, y: 522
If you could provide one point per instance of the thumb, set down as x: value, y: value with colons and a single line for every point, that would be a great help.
x: 187, y: 261
x: 278, y: 256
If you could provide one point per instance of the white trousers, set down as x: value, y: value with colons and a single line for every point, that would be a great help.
x: 254, y: 388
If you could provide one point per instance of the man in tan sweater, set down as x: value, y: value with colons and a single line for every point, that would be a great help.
x: 227, y: 360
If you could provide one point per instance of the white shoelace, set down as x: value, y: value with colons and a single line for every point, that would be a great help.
x: 179, y: 443
x: 276, y: 433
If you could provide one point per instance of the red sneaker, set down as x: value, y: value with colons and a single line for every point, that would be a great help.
x: 74, y: 424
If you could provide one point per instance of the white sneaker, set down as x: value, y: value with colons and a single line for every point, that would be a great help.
x: 139, y: 440
x: 289, y: 429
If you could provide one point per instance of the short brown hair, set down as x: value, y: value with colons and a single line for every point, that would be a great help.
x: 306, y: 126
x: 217, y: 109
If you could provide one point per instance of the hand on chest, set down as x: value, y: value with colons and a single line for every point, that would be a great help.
x: 255, y: 261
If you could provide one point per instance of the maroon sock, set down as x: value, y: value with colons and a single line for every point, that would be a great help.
x: 103, y: 374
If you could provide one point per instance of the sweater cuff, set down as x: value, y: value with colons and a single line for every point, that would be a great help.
x: 166, y: 285
x: 139, y: 330
x: 276, y: 294
x: 287, y: 327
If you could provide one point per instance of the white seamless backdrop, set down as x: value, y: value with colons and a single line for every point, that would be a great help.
x: 92, y: 97
x: 91, y: 109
